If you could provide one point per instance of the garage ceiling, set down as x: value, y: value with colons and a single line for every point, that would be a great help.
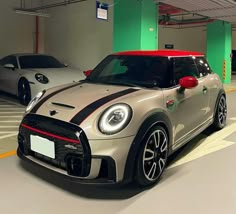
x: 216, y: 9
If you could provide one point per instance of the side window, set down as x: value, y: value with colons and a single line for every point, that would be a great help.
x: 9, y: 60
x: 184, y: 66
x: 13, y: 61
x: 5, y: 60
x: 203, y: 67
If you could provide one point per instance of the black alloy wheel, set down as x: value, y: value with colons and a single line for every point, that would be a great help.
x: 24, y: 93
x: 221, y: 113
x: 152, y: 157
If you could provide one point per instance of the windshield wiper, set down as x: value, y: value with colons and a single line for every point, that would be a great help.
x: 123, y: 83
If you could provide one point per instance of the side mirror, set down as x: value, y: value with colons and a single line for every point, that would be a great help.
x: 9, y: 66
x: 87, y: 73
x: 187, y: 82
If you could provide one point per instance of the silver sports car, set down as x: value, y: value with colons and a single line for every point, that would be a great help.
x: 24, y: 75
x: 125, y: 119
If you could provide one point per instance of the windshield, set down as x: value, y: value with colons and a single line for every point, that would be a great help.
x: 39, y: 61
x: 142, y: 71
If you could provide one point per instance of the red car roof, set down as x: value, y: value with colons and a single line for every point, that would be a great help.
x: 160, y: 53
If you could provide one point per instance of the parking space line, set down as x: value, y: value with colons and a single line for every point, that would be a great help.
x: 8, y: 132
x: 4, y: 127
x: 11, y: 116
x: 10, y: 121
x: 8, y: 154
x: 5, y: 105
x: 14, y: 108
x: 8, y: 135
x: 10, y: 112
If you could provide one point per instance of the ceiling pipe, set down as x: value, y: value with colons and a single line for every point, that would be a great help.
x: 167, y: 12
x: 37, y: 35
x: 179, y: 27
x: 186, y: 23
x: 31, y: 13
x: 64, y: 3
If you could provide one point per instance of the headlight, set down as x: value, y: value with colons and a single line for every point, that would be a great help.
x: 34, y: 101
x: 115, y: 118
x: 41, y: 78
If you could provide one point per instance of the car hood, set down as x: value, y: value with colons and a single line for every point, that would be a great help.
x: 74, y: 98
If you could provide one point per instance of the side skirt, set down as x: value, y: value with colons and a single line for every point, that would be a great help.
x: 189, y: 136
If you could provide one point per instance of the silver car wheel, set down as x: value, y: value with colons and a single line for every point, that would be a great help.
x: 24, y: 92
x: 222, y: 111
x: 155, y: 154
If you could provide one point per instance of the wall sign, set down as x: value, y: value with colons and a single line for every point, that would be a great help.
x: 169, y: 46
x: 102, y: 10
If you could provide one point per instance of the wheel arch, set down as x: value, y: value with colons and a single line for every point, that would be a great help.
x: 157, y: 118
x: 221, y: 92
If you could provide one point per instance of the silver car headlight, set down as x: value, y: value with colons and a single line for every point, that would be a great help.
x: 115, y: 118
x: 41, y: 78
x: 33, y: 102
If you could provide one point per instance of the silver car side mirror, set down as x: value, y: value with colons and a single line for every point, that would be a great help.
x: 9, y: 66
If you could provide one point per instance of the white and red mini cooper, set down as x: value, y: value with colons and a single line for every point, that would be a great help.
x: 123, y: 121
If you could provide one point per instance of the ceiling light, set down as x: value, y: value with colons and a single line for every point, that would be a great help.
x: 31, y: 13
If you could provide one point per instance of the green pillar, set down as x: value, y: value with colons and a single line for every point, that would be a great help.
x: 135, y: 25
x: 219, y: 48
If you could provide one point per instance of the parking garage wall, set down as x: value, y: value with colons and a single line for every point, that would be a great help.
x: 76, y: 37
x: 17, y: 31
x: 187, y: 38
x: 234, y: 39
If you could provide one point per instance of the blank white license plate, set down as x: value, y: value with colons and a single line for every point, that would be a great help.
x: 42, y: 146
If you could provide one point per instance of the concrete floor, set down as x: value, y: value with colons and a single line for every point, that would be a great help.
x: 199, y: 179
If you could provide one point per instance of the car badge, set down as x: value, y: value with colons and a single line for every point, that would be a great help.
x: 53, y: 112
x: 70, y: 147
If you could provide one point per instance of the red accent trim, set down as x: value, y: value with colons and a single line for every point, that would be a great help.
x: 188, y: 82
x: 50, y: 135
x: 170, y: 103
x: 87, y: 73
x: 37, y: 35
x: 161, y: 53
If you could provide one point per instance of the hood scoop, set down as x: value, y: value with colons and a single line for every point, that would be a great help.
x: 62, y: 105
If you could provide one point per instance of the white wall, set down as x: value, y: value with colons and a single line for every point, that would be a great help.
x: 75, y: 36
x: 187, y: 39
x: 16, y: 31
x: 234, y: 39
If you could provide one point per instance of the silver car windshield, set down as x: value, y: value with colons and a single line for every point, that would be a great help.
x: 143, y: 71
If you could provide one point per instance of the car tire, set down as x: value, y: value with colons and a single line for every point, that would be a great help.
x: 152, y: 157
x: 24, y: 92
x: 221, y: 113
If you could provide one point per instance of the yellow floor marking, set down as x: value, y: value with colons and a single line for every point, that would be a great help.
x: 230, y: 90
x: 8, y: 154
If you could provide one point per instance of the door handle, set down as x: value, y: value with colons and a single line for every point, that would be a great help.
x: 204, y: 89
x: 170, y: 103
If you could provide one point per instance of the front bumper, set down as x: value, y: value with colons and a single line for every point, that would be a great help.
x: 76, y: 158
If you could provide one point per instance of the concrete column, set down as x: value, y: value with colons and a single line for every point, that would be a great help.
x: 135, y: 25
x: 219, y: 48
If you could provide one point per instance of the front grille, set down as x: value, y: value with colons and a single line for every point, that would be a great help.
x: 73, y: 157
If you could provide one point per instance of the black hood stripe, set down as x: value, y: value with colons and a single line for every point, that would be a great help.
x: 44, y: 99
x: 84, y: 113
